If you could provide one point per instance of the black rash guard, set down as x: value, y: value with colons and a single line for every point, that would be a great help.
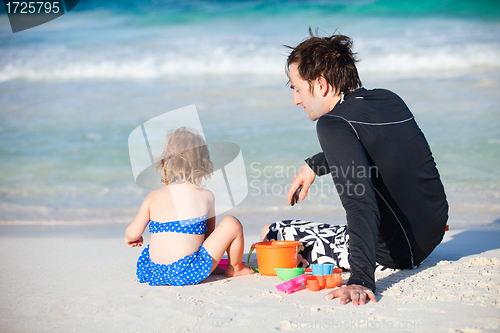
x: 387, y: 180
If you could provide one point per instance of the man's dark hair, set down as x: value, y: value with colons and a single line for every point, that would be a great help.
x: 329, y: 57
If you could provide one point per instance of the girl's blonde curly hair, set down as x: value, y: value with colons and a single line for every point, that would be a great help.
x: 185, y: 158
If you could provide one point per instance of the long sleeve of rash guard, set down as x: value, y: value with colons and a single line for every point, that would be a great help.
x: 350, y: 170
x: 318, y: 164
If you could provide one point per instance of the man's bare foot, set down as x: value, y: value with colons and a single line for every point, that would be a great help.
x: 238, y: 270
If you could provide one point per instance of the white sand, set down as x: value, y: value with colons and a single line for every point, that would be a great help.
x: 76, y: 279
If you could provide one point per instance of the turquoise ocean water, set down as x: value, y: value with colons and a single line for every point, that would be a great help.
x: 72, y: 90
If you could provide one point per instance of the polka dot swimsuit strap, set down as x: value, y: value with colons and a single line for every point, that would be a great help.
x: 195, y: 226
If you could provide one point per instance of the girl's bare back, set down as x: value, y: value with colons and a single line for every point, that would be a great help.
x: 178, y: 201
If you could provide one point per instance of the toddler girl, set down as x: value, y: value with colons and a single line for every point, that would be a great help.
x: 185, y: 247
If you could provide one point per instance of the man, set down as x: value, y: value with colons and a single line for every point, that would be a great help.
x: 380, y: 163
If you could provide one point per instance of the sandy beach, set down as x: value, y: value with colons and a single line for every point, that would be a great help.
x: 82, y: 278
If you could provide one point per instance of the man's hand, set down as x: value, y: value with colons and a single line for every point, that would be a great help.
x: 357, y: 294
x: 305, y: 177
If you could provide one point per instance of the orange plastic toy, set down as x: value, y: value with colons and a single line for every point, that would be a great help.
x: 312, y: 283
x: 333, y: 280
x: 275, y: 254
x: 318, y: 282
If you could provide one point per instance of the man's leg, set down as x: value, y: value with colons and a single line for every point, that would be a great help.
x: 394, y: 249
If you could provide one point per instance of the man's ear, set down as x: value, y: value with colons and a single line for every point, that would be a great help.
x: 324, y: 87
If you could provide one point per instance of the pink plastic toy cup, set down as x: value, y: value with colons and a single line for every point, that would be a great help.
x: 292, y: 285
x: 223, y: 263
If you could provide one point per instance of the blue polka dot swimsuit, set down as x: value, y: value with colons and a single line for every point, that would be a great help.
x: 196, y: 226
x: 191, y: 269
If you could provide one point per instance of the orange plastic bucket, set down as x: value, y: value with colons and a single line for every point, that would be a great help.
x: 275, y: 254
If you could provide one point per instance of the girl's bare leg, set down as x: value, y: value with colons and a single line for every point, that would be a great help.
x: 228, y: 237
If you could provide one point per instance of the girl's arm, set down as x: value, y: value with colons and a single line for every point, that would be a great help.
x: 133, y: 233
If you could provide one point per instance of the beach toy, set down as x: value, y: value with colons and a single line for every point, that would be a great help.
x: 275, y: 254
x: 312, y: 283
x: 322, y: 281
x: 286, y: 274
x: 292, y: 285
x: 318, y: 282
x: 223, y: 263
x: 333, y: 280
x: 322, y: 269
